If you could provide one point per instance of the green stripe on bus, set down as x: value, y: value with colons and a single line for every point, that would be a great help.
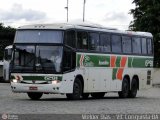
x: 118, y: 60
x: 85, y: 60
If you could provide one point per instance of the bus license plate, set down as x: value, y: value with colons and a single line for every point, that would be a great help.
x: 33, y: 88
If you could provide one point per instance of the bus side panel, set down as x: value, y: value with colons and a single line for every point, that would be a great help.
x: 105, y: 76
x: 94, y: 80
x: 142, y: 74
x: 100, y: 80
x: 67, y: 83
x: 145, y: 78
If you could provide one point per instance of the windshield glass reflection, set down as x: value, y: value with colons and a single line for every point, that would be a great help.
x: 41, y: 59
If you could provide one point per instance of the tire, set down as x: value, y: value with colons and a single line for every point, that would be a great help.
x: 85, y: 95
x: 134, y: 88
x: 34, y: 95
x: 98, y: 95
x: 125, y: 89
x: 77, y: 90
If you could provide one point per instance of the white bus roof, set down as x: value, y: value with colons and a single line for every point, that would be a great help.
x: 85, y: 26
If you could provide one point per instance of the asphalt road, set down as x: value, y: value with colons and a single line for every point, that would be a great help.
x: 147, y: 101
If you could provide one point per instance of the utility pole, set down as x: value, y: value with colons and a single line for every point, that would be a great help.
x: 84, y: 9
x: 67, y: 10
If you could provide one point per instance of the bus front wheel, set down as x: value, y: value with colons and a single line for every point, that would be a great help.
x: 77, y: 90
x: 34, y: 95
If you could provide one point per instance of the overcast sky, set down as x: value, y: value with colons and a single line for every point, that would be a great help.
x: 110, y: 13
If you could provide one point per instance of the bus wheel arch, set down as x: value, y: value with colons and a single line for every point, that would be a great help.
x: 77, y: 88
x: 81, y: 80
x: 84, y: 95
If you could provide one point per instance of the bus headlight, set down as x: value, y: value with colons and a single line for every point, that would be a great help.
x: 55, y: 82
x: 15, y: 81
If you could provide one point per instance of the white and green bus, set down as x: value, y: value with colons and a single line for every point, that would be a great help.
x: 80, y: 60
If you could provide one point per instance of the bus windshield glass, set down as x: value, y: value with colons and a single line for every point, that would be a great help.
x: 38, y: 36
x: 37, y: 58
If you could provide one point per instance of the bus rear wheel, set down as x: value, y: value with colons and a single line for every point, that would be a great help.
x: 34, y: 95
x: 98, y: 95
x: 77, y: 90
x: 134, y: 88
x: 125, y: 89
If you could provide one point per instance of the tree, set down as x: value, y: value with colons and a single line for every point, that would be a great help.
x: 6, y: 37
x: 147, y: 18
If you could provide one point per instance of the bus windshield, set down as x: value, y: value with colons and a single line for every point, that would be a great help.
x: 37, y: 58
x: 38, y: 36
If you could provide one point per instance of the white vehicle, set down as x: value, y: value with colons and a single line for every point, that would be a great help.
x: 6, y: 62
x: 80, y: 60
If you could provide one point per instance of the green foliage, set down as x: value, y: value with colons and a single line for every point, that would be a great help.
x: 6, y: 37
x: 147, y: 18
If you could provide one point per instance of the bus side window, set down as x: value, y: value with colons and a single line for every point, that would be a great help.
x: 105, y: 43
x: 136, y: 45
x: 70, y: 38
x: 149, y: 46
x: 116, y: 44
x: 144, y: 46
x: 94, y: 41
x: 82, y: 40
x: 126, y: 44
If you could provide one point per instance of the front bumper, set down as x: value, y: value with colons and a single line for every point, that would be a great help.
x: 45, y: 88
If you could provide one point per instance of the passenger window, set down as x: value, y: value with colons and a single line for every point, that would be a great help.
x: 116, y: 44
x: 70, y: 38
x: 136, y: 45
x: 126, y: 43
x: 94, y: 41
x: 105, y: 43
x: 144, y: 46
x: 82, y: 40
x: 149, y: 46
